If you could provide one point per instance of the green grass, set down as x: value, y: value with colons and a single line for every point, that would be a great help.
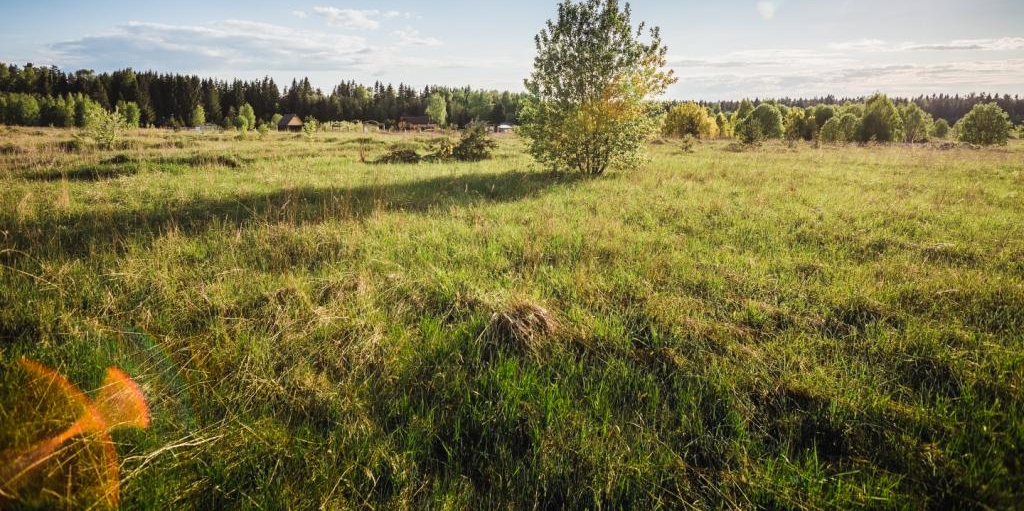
x: 786, y: 327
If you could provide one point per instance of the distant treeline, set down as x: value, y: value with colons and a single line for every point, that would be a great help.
x: 171, y: 99
x: 45, y: 95
x: 940, y: 106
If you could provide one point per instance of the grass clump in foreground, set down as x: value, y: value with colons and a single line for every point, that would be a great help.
x: 779, y: 327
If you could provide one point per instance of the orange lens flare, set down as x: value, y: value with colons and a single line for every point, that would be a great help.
x: 119, y: 404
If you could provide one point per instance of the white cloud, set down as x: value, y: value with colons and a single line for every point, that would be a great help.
x: 362, y: 19
x: 861, y: 45
x: 877, y: 45
x: 299, y: 14
x: 852, y: 68
x: 410, y: 37
x: 231, y: 44
x: 766, y: 58
x: 1001, y: 44
x: 901, y: 79
x: 253, y: 48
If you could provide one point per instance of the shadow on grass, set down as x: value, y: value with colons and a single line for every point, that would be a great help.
x: 83, y: 232
x: 86, y: 173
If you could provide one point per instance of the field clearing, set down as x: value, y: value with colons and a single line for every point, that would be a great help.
x: 787, y: 326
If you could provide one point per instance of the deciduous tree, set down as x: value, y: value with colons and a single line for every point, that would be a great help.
x: 985, y: 124
x: 588, y: 106
x: 690, y: 119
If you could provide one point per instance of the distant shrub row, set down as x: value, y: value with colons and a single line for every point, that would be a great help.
x: 878, y: 119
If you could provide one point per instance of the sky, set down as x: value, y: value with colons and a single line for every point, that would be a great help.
x: 725, y: 49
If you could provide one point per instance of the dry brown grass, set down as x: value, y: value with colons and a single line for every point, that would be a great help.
x: 522, y: 327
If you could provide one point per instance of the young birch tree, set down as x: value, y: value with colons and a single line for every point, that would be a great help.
x: 589, y: 106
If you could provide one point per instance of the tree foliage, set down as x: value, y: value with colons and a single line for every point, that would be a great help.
x: 726, y: 129
x: 916, y: 123
x: 198, y: 117
x: 131, y: 112
x: 104, y: 128
x: 248, y: 115
x: 475, y: 144
x: 940, y: 128
x: 881, y: 121
x: 310, y: 125
x: 588, y: 106
x: 690, y: 119
x: 840, y: 129
x: 985, y: 124
x: 797, y: 123
x: 746, y: 107
x: 764, y: 123
x: 437, y: 109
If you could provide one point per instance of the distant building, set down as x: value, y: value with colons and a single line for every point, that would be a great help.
x: 503, y: 128
x: 290, y: 122
x: 420, y: 122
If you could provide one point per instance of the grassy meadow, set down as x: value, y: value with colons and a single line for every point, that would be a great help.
x: 788, y: 326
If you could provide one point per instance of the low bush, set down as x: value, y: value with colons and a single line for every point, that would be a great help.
x: 399, y: 155
x: 442, y: 148
x: 475, y: 145
x: 985, y: 124
x: 687, y: 144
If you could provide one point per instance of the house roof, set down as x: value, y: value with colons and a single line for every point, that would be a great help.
x: 289, y: 120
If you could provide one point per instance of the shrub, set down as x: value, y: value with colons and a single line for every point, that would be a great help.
x: 475, y: 144
x: 57, y: 111
x: 131, y: 112
x: 940, y: 128
x: 247, y: 113
x: 310, y: 126
x: 857, y: 109
x: 916, y: 123
x: 86, y: 110
x: 21, y: 109
x: 399, y: 155
x: 580, y: 113
x: 765, y: 122
x: 437, y: 109
x: 797, y: 123
x: 689, y: 141
x: 198, y: 116
x: 104, y: 128
x: 726, y: 129
x: 690, y: 119
x: 749, y: 132
x: 822, y: 114
x: 985, y: 124
x: 881, y: 121
x: 745, y: 109
x: 441, y: 149
x: 840, y: 129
